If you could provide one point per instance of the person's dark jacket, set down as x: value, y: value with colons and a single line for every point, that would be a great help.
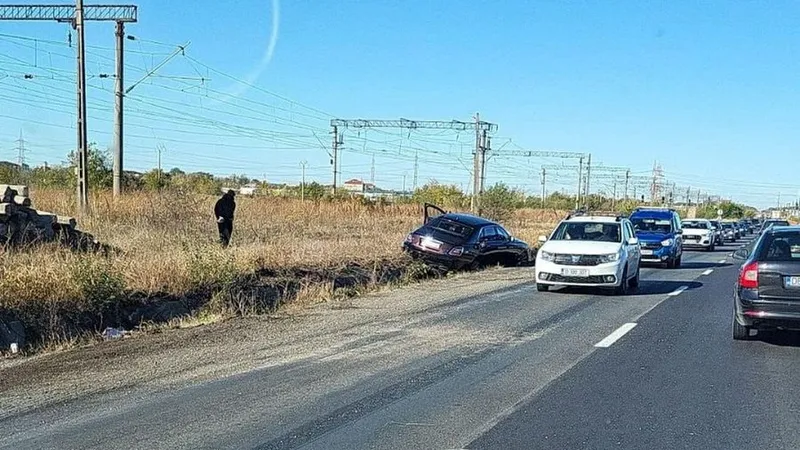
x: 225, y: 207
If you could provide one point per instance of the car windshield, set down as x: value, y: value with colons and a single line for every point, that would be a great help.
x: 695, y: 224
x: 588, y: 231
x: 653, y: 225
x: 781, y: 247
x: 777, y: 223
x: 451, y: 227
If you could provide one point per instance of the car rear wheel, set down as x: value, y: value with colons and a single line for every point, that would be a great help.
x: 542, y: 287
x: 740, y: 332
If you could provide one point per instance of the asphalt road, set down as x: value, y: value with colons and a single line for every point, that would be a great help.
x: 520, y: 369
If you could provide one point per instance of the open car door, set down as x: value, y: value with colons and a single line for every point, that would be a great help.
x: 431, y: 211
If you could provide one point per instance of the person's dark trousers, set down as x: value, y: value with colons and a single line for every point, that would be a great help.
x: 225, y: 231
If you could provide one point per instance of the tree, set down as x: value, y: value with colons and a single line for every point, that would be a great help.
x: 155, y: 180
x: 446, y: 196
x: 499, y: 201
x: 99, y: 167
x: 314, y: 190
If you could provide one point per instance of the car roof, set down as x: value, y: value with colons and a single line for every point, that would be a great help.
x: 598, y: 219
x: 468, y: 219
x: 653, y: 213
x: 780, y: 228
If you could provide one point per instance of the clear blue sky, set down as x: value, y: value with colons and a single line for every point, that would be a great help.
x: 708, y: 89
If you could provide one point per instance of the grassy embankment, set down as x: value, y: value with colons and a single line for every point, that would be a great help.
x: 283, y: 250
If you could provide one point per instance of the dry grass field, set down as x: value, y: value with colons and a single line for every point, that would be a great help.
x: 168, y: 247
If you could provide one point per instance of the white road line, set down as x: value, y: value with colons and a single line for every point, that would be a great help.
x: 708, y: 272
x: 678, y: 291
x: 721, y: 261
x: 614, y: 337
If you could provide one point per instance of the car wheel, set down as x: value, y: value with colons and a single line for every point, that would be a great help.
x: 634, y: 282
x: 711, y: 248
x: 677, y: 264
x: 740, y: 332
x: 622, y: 289
x: 542, y: 287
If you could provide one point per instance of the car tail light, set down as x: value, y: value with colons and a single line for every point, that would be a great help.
x: 748, y: 277
x: 456, y: 251
x: 409, y: 238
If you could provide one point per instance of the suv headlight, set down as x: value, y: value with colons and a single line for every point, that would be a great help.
x: 611, y: 257
x: 546, y: 256
x: 666, y: 242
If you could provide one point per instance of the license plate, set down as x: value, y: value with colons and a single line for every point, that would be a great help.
x: 431, y: 244
x: 575, y: 272
x: 647, y: 252
x: 792, y: 282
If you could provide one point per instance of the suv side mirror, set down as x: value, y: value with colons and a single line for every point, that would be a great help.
x: 633, y: 241
x: 742, y: 253
x: 678, y: 231
x: 542, y: 239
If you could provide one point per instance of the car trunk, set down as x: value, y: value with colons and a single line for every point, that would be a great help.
x: 779, y: 280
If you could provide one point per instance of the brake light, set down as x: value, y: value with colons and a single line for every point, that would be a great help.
x: 748, y: 277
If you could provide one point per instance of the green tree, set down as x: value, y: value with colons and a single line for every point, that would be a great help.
x: 155, y: 180
x: 315, y: 191
x: 99, y: 167
x: 499, y: 202
x: 445, y: 196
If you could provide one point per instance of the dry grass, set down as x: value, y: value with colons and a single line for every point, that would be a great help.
x: 169, y: 246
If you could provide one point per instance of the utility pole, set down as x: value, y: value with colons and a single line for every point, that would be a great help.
x: 335, y: 156
x: 303, y: 165
x: 118, y: 127
x: 580, y: 182
x: 476, y: 166
x: 404, y: 185
x: 416, y: 168
x: 588, y: 175
x: 83, y: 150
x: 159, y: 149
x: 484, y: 148
x: 544, y: 191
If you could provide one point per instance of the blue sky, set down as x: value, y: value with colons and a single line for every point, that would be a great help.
x: 707, y: 89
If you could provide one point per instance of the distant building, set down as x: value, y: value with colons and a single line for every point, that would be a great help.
x: 358, y: 187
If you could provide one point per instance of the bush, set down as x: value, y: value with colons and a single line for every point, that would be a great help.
x: 499, y: 202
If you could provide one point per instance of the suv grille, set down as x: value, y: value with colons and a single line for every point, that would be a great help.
x: 593, y: 279
x: 651, y: 245
x: 577, y: 260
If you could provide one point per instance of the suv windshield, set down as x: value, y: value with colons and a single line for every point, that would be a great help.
x: 588, y: 231
x: 655, y: 225
x: 695, y: 224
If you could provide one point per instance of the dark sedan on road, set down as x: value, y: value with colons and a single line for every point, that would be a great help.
x: 456, y: 241
x: 767, y: 295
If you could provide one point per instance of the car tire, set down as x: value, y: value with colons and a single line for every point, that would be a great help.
x: 678, y: 261
x: 740, y: 332
x: 711, y: 248
x: 542, y: 287
x: 622, y: 289
x: 634, y: 282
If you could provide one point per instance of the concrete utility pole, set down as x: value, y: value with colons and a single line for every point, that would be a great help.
x: 588, y: 175
x: 303, y: 165
x: 476, y: 169
x: 404, y: 185
x: 159, y: 149
x: 335, y: 156
x: 119, y: 86
x: 614, y: 196
x: 544, y: 180
x: 83, y: 150
x: 580, y: 182
x: 484, y: 148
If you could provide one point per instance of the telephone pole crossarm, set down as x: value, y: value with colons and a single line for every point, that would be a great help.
x: 414, y: 124
x: 66, y: 13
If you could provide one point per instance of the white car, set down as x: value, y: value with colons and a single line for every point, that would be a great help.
x: 596, y: 251
x: 698, y: 233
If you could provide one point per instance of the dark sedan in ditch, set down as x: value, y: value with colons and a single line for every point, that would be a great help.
x: 455, y: 241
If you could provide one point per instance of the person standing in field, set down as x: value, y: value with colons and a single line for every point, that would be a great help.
x: 223, y: 211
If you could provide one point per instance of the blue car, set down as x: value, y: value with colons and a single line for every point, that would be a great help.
x: 659, y: 234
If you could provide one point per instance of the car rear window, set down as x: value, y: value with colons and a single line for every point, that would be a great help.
x: 451, y: 227
x: 780, y: 247
x: 695, y: 224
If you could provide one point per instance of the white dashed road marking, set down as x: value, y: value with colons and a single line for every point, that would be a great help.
x: 678, y: 291
x: 708, y: 272
x: 721, y: 261
x: 614, y: 337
